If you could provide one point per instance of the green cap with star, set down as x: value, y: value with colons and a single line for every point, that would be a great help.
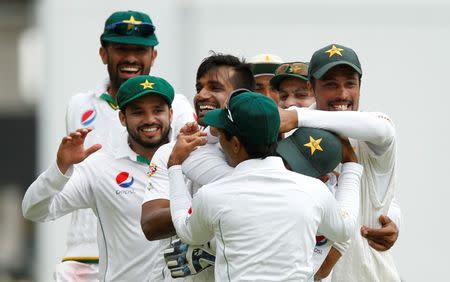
x: 249, y: 115
x: 138, y: 86
x: 129, y: 27
x: 330, y: 56
x: 288, y: 70
x: 265, y: 64
x: 311, y: 151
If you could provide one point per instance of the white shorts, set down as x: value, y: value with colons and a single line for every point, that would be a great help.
x: 74, y: 271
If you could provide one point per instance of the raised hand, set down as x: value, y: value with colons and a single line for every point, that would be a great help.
x: 184, y: 146
x: 71, y: 150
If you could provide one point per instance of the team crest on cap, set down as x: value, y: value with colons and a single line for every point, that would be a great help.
x: 321, y: 240
x: 314, y: 144
x: 124, y: 179
x: 152, y: 169
x: 88, y: 117
x: 334, y: 51
x: 147, y: 84
x: 131, y: 22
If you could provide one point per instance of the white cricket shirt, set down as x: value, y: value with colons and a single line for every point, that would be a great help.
x: 92, y: 109
x: 112, y: 186
x: 375, y: 145
x: 264, y: 218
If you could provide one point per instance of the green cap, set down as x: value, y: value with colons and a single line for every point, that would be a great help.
x: 129, y: 27
x: 249, y: 115
x: 288, y: 70
x: 330, y: 56
x: 141, y: 85
x: 265, y: 64
x: 311, y: 151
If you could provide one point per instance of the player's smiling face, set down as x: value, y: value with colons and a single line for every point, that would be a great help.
x: 147, y: 120
x: 338, y: 90
x: 294, y: 92
x: 126, y: 61
x: 213, y: 90
x: 263, y: 86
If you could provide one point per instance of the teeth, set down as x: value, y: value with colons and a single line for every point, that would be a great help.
x: 129, y: 69
x: 340, y: 107
x: 150, y: 129
x: 207, y: 107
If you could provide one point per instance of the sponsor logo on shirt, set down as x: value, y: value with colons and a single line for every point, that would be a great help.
x: 124, y: 180
x: 152, y: 169
x: 321, y: 240
x: 88, y: 117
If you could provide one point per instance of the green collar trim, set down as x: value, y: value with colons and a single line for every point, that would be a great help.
x: 105, y: 96
x: 143, y: 160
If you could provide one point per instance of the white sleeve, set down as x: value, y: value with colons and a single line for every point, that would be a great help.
x: 190, y: 222
x: 206, y: 164
x: 395, y: 213
x: 53, y: 194
x: 374, y: 128
x: 340, y: 215
x: 182, y: 113
x: 158, y: 181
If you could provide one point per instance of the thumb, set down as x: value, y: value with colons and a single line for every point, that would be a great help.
x: 384, y: 219
x: 94, y: 148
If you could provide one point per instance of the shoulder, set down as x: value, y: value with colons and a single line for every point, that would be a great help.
x: 81, y: 98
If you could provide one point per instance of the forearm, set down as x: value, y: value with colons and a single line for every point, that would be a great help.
x: 326, y: 267
x: 38, y: 199
x: 374, y: 128
x: 180, y: 202
x: 347, y: 193
x: 186, y: 219
x: 157, y: 224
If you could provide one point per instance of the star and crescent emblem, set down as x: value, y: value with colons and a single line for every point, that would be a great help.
x: 334, y: 51
x: 314, y: 145
x: 131, y: 22
x: 147, y: 84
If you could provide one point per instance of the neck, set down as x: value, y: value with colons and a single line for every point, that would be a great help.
x: 112, y: 91
x: 145, y: 151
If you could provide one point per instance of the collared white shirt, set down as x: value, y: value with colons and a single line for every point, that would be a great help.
x: 113, y: 186
x: 88, y: 109
x: 264, y: 218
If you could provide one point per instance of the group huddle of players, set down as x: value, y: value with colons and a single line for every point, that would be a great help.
x: 274, y: 175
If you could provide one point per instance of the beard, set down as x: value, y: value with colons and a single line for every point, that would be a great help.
x: 164, y: 138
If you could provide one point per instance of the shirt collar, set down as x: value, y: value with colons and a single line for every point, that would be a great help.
x: 257, y: 164
x: 123, y: 150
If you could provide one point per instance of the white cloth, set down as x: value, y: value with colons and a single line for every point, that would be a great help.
x: 87, y: 109
x: 158, y: 188
x: 264, y: 219
x: 373, y: 136
x: 71, y: 271
x: 113, y: 187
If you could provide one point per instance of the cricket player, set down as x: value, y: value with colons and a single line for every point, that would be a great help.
x: 128, y: 49
x: 335, y: 77
x: 291, y: 82
x: 263, y: 68
x: 112, y: 184
x: 217, y: 76
x: 264, y: 217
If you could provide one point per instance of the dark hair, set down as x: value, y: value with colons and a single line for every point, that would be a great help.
x: 242, y: 77
x: 254, y: 151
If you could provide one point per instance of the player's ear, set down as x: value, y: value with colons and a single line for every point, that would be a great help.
x: 236, y: 145
x: 122, y: 118
x: 170, y: 114
x: 103, y: 55
x: 154, y: 55
x: 310, y: 88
